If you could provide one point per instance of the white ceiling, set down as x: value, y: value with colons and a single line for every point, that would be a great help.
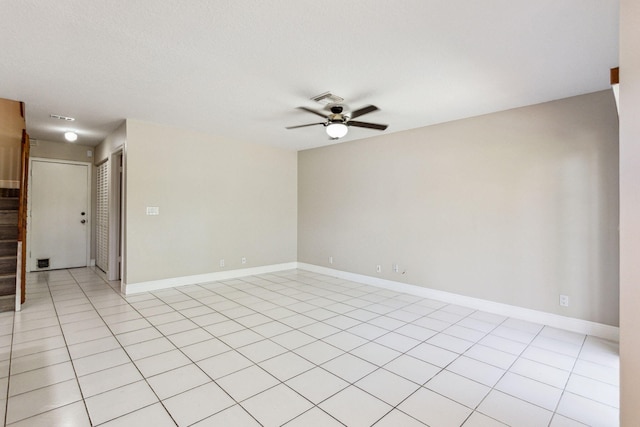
x: 238, y: 69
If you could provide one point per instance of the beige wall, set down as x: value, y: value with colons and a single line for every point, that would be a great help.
x: 11, y: 126
x: 515, y: 207
x: 217, y: 199
x: 61, y: 151
x: 114, y: 142
x: 629, y: 212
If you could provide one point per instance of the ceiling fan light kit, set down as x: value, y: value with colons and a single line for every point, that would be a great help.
x: 337, y: 123
x: 336, y: 130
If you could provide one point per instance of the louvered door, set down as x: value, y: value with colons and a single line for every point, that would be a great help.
x: 102, y: 217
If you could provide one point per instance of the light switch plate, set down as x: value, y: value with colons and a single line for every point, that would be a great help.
x: 153, y: 210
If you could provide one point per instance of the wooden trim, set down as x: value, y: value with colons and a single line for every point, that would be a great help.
x: 615, y: 76
x: 22, y: 210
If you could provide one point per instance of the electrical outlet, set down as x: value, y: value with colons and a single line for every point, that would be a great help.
x: 244, y: 260
x: 330, y: 260
x: 379, y: 268
x: 222, y: 263
x: 564, y: 300
x: 396, y: 268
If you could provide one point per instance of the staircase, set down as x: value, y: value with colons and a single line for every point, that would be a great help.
x: 8, y: 248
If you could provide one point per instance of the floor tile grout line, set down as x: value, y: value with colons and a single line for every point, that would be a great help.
x: 145, y: 378
x: 492, y: 388
x: 6, y: 403
x: 45, y: 386
x: 564, y: 389
x: 67, y: 345
x: 367, y: 340
x: 310, y: 409
x: 349, y: 383
x: 70, y: 360
x: 442, y: 369
x: 136, y: 367
x: 281, y: 382
x: 256, y: 364
x: 478, y: 342
x: 353, y: 383
x: 553, y: 412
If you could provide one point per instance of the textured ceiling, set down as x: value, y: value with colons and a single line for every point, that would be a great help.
x: 238, y: 69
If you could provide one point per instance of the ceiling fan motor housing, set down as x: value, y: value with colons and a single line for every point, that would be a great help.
x: 338, y: 114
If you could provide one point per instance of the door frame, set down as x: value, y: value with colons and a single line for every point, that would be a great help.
x: 89, y: 166
x: 116, y: 170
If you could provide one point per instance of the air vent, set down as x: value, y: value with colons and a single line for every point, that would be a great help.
x: 59, y: 117
x: 327, y: 98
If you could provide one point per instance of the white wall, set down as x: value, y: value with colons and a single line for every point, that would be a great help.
x: 515, y: 207
x: 218, y: 199
x: 629, y: 212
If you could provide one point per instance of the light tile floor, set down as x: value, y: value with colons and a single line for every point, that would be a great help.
x: 293, y: 348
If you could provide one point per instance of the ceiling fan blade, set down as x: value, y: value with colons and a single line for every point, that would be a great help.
x: 312, y: 111
x: 302, y: 126
x: 362, y: 111
x: 366, y: 125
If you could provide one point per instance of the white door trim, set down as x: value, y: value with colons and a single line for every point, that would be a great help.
x: 89, y: 199
x: 115, y: 214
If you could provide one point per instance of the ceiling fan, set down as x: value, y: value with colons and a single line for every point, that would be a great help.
x: 337, y: 123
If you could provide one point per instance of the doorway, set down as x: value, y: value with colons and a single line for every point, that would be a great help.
x: 59, y: 215
x: 115, y: 216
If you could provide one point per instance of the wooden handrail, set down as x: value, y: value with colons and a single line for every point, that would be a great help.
x: 22, y: 209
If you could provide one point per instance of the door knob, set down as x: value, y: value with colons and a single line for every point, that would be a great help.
x: 83, y: 221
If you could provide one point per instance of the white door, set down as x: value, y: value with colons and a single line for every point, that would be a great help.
x: 59, y: 215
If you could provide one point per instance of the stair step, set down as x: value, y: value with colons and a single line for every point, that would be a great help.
x: 8, y: 217
x: 7, y: 303
x: 8, y: 264
x: 7, y: 284
x: 8, y: 247
x: 9, y: 192
x: 9, y: 203
x: 8, y: 232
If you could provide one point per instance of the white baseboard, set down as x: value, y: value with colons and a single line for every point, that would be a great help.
x: 19, y: 277
x: 154, y: 285
x: 562, y: 322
